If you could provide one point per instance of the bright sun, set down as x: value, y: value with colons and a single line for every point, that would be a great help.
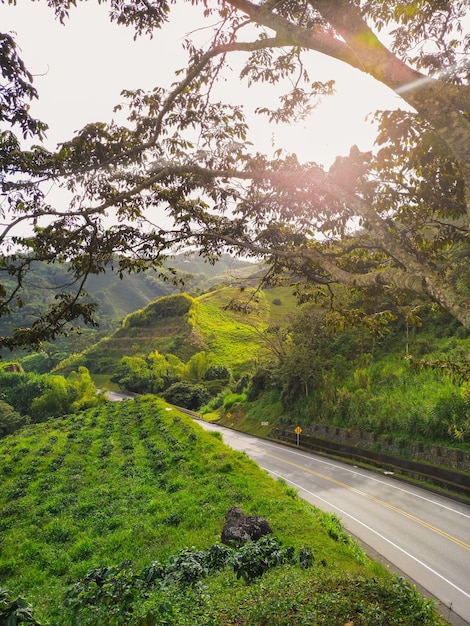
x: 79, y: 80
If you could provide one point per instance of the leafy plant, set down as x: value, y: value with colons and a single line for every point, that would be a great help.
x: 186, y: 395
x: 106, y: 595
x: 233, y: 398
x: 13, y: 612
x: 255, y: 558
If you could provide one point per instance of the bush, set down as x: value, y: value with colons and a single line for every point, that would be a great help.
x: 254, y: 559
x: 186, y: 395
x: 449, y: 416
x: 10, y: 420
x: 13, y: 612
x: 233, y: 398
x: 217, y: 372
x: 261, y: 380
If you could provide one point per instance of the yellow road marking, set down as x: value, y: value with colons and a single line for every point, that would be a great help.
x: 455, y: 540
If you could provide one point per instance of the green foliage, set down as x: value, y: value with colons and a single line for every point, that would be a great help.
x: 196, y: 367
x: 133, y: 374
x: 254, y: 559
x: 106, y: 486
x: 48, y: 395
x: 450, y: 415
x: 20, y: 389
x: 150, y: 374
x: 62, y: 396
x: 169, y: 306
x: 105, y: 596
x: 186, y: 395
x: 232, y: 398
x: 41, y: 362
x: 217, y: 372
x: 10, y: 420
x: 110, y: 594
x: 190, y: 151
x: 14, y: 612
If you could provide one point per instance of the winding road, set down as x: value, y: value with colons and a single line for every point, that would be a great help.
x: 423, y: 536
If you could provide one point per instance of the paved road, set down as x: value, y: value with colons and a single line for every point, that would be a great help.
x: 118, y: 396
x: 423, y: 535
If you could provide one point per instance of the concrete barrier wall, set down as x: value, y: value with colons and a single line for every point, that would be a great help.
x: 434, y: 454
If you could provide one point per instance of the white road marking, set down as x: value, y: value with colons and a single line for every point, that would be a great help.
x: 377, y: 480
x: 396, y: 546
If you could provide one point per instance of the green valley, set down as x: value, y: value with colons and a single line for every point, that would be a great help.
x: 112, y: 514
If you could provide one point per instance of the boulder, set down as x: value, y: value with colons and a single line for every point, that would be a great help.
x: 240, y: 528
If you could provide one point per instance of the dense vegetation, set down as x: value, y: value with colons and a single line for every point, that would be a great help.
x: 177, y: 167
x: 36, y: 397
x: 256, y: 356
x: 99, y: 507
x: 114, y: 516
x: 410, y: 384
x: 259, y: 351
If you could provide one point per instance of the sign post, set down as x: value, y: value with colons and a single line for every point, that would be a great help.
x: 297, y: 431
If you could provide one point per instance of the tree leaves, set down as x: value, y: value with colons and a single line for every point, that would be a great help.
x: 183, y: 169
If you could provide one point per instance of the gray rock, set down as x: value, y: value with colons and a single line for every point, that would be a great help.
x: 240, y: 528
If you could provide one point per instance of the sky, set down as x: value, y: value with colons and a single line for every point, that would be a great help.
x: 80, y: 69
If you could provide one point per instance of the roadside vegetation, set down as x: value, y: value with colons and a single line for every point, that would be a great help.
x: 113, y: 516
x: 30, y: 398
x: 254, y: 359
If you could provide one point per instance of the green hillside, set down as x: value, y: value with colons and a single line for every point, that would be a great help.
x: 227, y: 323
x: 290, y: 363
x: 113, y: 516
x: 117, y: 297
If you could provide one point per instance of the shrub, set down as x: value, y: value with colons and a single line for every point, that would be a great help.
x: 232, y: 398
x: 254, y: 559
x: 13, y: 612
x: 217, y: 372
x: 450, y: 416
x: 10, y: 420
x: 186, y: 395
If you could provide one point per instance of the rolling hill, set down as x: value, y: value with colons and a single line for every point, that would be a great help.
x: 117, y: 297
x: 227, y: 322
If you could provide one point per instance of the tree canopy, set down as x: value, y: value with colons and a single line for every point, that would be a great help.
x: 394, y: 219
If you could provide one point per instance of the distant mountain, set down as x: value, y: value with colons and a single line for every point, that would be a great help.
x: 118, y: 297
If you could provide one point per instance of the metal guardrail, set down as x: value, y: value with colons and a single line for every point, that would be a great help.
x: 456, y: 481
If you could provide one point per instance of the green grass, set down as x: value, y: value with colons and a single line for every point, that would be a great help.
x: 232, y: 337
x: 132, y: 483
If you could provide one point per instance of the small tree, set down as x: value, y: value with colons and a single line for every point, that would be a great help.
x: 217, y: 372
x: 62, y: 396
x: 55, y: 400
x: 187, y: 395
x: 396, y: 218
x: 10, y: 420
x: 196, y: 367
x: 82, y: 390
x: 133, y: 374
